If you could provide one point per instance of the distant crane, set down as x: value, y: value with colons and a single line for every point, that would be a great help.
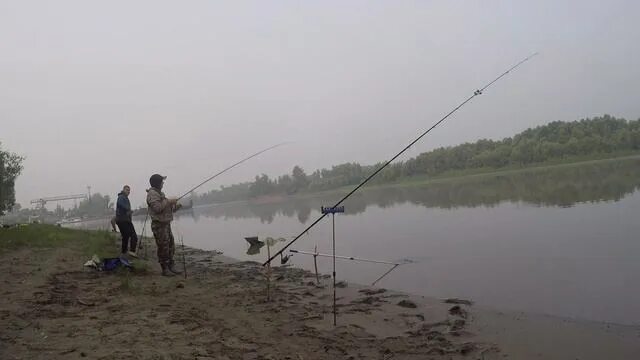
x: 41, y: 202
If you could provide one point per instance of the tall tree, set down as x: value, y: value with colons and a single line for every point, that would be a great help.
x: 300, y: 180
x: 10, y: 168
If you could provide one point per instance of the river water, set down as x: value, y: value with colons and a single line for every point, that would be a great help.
x: 561, y: 241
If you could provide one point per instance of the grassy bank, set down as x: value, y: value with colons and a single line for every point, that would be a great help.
x: 50, y: 241
x: 41, y: 236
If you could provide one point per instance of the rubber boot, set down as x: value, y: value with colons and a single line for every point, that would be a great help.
x: 173, y: 269
x: 166, y: 271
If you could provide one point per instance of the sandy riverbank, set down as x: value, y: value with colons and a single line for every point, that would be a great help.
x: 52, y: 308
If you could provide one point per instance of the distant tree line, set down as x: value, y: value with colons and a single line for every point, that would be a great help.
x: 562, y: 186
x: 557, y: 140
x: 97, y: 205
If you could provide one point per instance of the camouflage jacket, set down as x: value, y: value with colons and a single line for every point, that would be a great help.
x: 158, y: 206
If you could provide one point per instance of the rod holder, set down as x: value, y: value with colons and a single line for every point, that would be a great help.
x: 332, y: 209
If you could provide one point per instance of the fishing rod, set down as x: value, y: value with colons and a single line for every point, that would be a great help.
x: 144, y: 225
x: 343, y: 257
x: 316, y: 254
x: 231, y: 167
x: 475, y: 93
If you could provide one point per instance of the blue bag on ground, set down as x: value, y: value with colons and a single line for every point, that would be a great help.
x: 113, y: 263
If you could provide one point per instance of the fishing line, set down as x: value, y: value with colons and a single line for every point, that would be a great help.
x: 231, y: 167
x: 475, y: 93
x: 206, y: 181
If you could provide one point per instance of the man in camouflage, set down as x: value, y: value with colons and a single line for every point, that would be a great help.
x: 161, y: 211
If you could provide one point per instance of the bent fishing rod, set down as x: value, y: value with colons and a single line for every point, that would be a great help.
x: 231, y: 167
x: 215, y: 176
x: 475, y: 93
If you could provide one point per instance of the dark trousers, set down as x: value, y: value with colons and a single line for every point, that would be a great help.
x: 128, y: 233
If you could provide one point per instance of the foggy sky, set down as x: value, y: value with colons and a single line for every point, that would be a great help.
x: 107, y: 93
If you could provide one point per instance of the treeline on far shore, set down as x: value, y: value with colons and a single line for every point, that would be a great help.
x: 557, y: 141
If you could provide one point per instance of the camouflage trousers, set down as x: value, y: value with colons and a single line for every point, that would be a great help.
x: 164, y: 241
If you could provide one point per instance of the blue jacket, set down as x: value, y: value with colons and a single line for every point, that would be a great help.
x: 123, y: 208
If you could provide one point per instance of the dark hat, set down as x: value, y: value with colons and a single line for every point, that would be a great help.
x: 156, y: 179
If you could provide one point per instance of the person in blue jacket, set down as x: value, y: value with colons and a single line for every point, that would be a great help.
x: 123, y: 220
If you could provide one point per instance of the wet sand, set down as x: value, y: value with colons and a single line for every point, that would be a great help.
x: 53, y: 308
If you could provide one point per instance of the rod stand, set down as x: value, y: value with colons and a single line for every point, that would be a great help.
x: 268, y: 274
x: 333, y: 210
x: 184, y: 259
x: 315, y: 265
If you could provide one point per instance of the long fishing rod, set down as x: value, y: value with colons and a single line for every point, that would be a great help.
x: 316, y: 253
x: 343, y: 257
x: 209, y: 179
x: 475, y: 93
x: 231, y: 167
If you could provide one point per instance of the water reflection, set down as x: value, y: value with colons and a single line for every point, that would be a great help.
x: 551, y: 187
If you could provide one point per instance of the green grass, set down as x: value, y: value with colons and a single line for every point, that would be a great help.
x: 50, y: 236
x: 86, y: 242
x: 127, y: 283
